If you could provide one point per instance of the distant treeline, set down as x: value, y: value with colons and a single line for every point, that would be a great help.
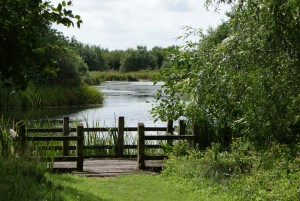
x: 100, y: 59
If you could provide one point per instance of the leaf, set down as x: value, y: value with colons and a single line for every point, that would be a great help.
x: 59, y: 8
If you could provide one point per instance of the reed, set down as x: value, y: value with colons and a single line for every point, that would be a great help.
x: 6, y: 145
x: 51, y: 96
x: 96, y: 77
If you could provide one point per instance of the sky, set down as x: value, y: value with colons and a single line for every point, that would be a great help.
x: 123, y: 24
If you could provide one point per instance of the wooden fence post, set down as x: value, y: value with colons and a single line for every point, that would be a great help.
x: 181, y: 127
x: 120, y: 140
x: 195, y: 132
x: 80, y: 147
x: 21, y: 133
x: 66, y: 128
x: 201, y: 130
x: 141, y: 146
x: 170, y: 130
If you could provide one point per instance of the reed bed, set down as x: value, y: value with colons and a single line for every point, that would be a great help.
x: 39, y: 96
x: 97, y: 77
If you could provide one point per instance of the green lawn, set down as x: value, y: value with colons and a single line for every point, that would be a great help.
x: 127, y: 187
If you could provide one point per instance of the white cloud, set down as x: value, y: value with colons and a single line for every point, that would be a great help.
x: 121, y: 24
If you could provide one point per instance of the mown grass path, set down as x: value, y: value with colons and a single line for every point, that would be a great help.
x: 137, y: 187
x: 118, y: 179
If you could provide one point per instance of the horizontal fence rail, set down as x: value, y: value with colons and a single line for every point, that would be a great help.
x: 117, y: 149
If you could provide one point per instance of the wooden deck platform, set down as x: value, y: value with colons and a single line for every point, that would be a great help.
x: 109, y: 167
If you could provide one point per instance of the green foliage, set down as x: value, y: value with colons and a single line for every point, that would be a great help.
x: 23, y: 26
x: 35, y: 97
x: 71, y: 68
x: 23, y: 180
x: 134, y: 60
x: 245, y: 172
x: 93, y: 57
x: 6, y: 144
x: 113, y: 59
x: 241, y: 78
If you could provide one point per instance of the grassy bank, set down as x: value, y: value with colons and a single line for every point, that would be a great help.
x: 245, y: 172
x: 21, y: 180
x: 51, y: 96
x: 96, y: 77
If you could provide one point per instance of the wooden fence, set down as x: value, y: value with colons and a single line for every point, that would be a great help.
x: 119, y: 147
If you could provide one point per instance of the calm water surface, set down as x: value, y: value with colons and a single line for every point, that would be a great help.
x: 128, y: 99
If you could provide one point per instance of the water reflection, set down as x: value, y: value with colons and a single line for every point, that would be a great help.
x: 126, y: 99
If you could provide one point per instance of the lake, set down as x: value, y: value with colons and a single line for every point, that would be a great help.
x: 128, y: 99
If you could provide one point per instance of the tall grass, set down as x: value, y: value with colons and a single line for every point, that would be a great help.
x: 6, y: 145
x: 245, y: 172
x: 96, y: 77
x: 52, y: 96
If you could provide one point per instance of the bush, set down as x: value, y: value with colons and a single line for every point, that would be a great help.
x: 249, y: 171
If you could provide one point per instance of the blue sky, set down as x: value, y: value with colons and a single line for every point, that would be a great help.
x: 122, y: 24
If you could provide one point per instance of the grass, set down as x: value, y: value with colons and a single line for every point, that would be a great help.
x: 96, y: 77
x: 21, y: 180
x: 245, y: 171
x: 128, y: 187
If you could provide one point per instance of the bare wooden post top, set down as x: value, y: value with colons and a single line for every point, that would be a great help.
x: 141, y: 146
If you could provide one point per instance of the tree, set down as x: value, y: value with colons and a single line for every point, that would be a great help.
x: 159, y: 55
x: 241, y: 79
x: 135, y: 60
x: 113, y: 58
x: 23, y: 26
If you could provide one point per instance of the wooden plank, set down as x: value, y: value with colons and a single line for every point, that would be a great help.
x: 66, y: 128
x: 130, y: 129
x: 133, y: 146
x: 155, y: 157
x: 120, y: 140
x: 99, y: 147
x: 80, y: 135
x: 101, y: 156
x: 141, y: 146
x: 100, y: 129
x: 53, y: 147
x: 44, y: 130
x: 182, y: 127
x: 153, y: 146
x: 155, y: 129
x: 57, y: 158
x: 170, y: 137
x: 51, y: 138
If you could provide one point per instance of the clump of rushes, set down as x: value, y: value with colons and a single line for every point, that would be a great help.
x: 53, y: 96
